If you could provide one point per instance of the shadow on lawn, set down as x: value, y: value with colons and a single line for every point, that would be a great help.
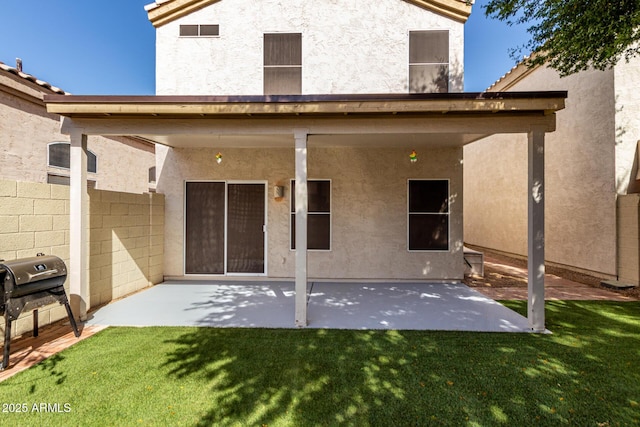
x: 50, y: 365
x: 586, y: 372
x: 49, y: 369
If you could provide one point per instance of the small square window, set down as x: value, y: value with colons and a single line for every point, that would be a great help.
x: 188, y: 31
x: 58, y: 179
x: 66, y: 180
x: 193, y: 30
x: 282, y: 80
x: 429, y: 47
x: 209, y: 30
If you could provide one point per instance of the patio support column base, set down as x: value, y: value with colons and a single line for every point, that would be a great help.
x: 301, y: 208
x: 536, y: 266
x: 78, y: 200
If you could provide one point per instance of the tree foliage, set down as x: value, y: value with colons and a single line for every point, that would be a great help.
x: 573, y: 35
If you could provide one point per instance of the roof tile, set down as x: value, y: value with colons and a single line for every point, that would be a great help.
x: 33, y: 79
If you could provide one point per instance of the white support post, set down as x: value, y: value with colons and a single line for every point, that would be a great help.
x: 78, y: 226
x: 301, y: 207
x: 536, y: 267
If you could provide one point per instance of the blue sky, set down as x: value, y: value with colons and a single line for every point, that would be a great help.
x: 107, y: 47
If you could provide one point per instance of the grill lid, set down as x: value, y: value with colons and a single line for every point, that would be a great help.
x: 29, y: 270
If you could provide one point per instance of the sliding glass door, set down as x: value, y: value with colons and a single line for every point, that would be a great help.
x: 225, y: 228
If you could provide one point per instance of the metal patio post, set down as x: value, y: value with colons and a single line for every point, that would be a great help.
x: 301, y: 209
x: 535, y: 221
x: 78, y: 286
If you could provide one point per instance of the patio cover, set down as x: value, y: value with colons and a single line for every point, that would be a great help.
x: 426, y: 120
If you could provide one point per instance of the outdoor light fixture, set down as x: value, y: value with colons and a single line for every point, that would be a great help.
x: 219, y: 157
x: 278, y: 192
x: 413, y: 156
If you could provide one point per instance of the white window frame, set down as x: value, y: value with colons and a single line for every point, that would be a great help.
x: 91, y: 183
x: 226, y: 203
x: 448, y: 214
x: 49, y: 165
x: 199, y: 35
x: 448, y: 64
x: 265, y: 66
x: 330, y: 213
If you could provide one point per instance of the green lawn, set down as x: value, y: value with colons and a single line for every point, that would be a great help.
x: 586, y: 373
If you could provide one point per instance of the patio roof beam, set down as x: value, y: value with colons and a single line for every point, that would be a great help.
x: 178, y: 107
x: 350, y: 125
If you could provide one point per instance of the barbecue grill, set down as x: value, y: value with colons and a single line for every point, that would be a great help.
x: 31, y: 283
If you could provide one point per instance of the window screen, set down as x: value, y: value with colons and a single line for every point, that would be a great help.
x: 60, y: 157
x: 92, y: 162
x: 58, y: 179
x: 199, y: 30
x: 283, y: 64
x: 428, y: 61
x: 319, y: 215
x: 65, y: 180
x: 188, y: 30
x: 428, y: 215
x: 209, y: 30
x: 204, y: 227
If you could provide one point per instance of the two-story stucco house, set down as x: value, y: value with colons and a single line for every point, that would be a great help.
x: 312, y: 139
x: 358, y: 202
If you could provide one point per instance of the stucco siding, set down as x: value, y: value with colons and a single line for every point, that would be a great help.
x: 627, y: 105
x: 123, y: 164
x: 495, y: 182
x: 579, y: 172
x: 368, y: 212
x: 26, y: 129
x: 348, y: 46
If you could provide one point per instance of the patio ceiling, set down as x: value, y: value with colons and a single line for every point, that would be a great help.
x: 400, y: 120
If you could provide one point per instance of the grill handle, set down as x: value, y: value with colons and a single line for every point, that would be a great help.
x: 42, y: 273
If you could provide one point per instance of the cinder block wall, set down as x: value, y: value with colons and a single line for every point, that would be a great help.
x: 125, y: 239
x: 629, y: 238
x: 126, y: 243
x: 34, y: 218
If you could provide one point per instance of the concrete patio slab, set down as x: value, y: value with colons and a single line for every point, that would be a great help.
x: 270, y: 304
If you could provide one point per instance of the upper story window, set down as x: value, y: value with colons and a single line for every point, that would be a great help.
x: 199, y: 30
x: 428, y: 61
x: 283, y: 64
x: 59, y: 156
